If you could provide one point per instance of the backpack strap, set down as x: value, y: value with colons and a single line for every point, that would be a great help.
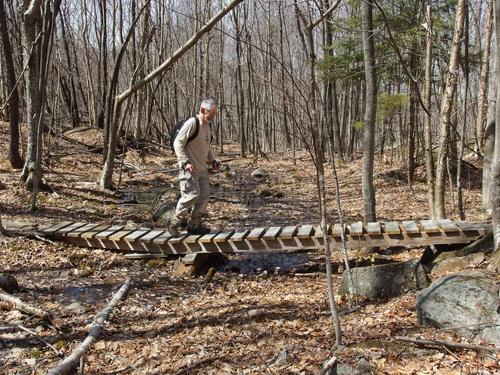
x: 196, y: 130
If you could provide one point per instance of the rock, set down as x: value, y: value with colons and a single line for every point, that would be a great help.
x: 260, y: 173
x: 468, y: 302
x: 386, y: 280
x: 342, y: 369
x: 75, y: 308
x: 283, y: 357
x: 494, y: 260
x: 8, y: 283
x: 2, y: 186
x: 278, y: 194
x: 438, y: 253
x: 265, y: 193
x: 453, y: 265
x: 91, y: 137
x: 364, y: 366
x: 254, y: 313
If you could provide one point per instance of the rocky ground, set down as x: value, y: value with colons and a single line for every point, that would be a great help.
x: 257, y: 315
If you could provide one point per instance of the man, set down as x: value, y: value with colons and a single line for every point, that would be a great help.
x: 193, y: 153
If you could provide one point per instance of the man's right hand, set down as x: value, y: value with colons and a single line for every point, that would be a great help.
x: 189, y: 168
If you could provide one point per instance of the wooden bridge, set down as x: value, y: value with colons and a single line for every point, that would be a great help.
x: 270, y: 239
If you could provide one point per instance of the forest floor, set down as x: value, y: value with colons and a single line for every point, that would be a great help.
x: 256, y: 316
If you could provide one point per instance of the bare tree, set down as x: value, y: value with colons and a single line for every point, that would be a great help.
x: 37, y: 27
x: 429, y: 162
x: 107, y: 172
x: 13, y: 96
x: 495, y: 181
x: 446, y: 110
x: 482, y: 104
x: 370, y: 111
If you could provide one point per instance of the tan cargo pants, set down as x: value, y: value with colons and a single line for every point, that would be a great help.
x: 195, y: 194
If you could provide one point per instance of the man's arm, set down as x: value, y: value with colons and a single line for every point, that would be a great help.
x: 181, y: 140
x: 211, y: 157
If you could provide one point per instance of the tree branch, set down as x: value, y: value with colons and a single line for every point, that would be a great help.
x: 392, y: 42
x: 69, y: 363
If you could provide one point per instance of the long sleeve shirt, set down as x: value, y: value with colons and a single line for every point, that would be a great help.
x: 197, y: 151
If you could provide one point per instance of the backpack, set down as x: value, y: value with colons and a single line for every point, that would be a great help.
x: 177, y: 128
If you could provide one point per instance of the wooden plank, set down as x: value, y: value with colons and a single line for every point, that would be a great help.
x: 78, y: 232
x: 239, y: 235
x: 120, y: 235
x: 209, y: 236
x: 224, y: 236
x: 473, y: 227
x: 177, y: 243
x: 192, y: 238
x: 410, y: 227
x: 356, y: 229
x: 430, y: 226
x: 149, y: 237
x: 92, y: 232
x: 374, y: 229
x: 392, y: 227
x: 255, y: 234
x: 54, y: 228
x: 179, y: 238
x: 317, y: 231
x: 161, y: 239
x: 447, y: 225
x: 337, y: 230
x: 271, y: 233
x: 305, y: 231
x: 288, y: 232
x: 135, y: 235
x: 109, y: 232
x: 64, y: 231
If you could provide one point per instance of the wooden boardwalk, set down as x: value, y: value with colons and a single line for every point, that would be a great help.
x: 269, y: 239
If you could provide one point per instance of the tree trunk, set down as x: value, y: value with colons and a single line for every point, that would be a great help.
x: 495, y: 184
x: 446, y: 110
x: 369, y: 212
x: 13, y: 100
x: 429, y: 162
x: 31, y: 25
x: 482, y: 103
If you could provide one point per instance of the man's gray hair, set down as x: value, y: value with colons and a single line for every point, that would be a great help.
x: 207, y: 104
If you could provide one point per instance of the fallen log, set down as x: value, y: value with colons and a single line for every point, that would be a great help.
x: 72, y: 361
x: 447, y: 344
x: 27, y: 308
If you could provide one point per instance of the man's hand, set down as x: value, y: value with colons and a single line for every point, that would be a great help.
x: 216, y: 166
x: 189, y: 167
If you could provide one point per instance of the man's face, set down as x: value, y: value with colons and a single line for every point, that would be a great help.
x: 209, y: 115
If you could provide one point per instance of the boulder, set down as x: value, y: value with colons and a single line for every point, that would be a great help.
x: 438, y: 253
x: 467, y: 302
x: 260, y: 173
x: 453, y: 265
x: 8, y: 283
x: 494, y: 261
x: 387, y: 280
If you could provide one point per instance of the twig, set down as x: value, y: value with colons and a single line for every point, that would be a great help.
x: 69, y: 363
x: 27, y: 308
x: 38, y: 237
x: 449, y: 344
x: 325, y: 369
x: 39, y: 339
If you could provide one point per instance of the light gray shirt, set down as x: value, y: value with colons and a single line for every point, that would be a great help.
x: 198, y: 150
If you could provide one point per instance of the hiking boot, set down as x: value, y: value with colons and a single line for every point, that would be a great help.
x: 172, y: 227
x: 193, y: 228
